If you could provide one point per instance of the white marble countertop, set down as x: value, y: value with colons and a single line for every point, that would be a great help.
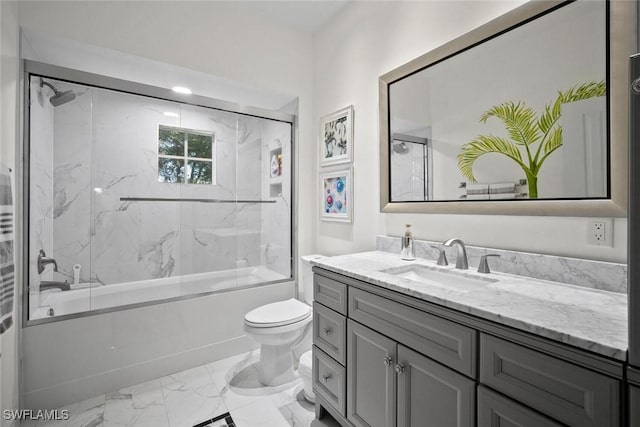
x: 591, y: 319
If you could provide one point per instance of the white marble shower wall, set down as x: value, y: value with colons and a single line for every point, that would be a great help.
x: 41, y: 172
x: 408, y: 172
x: 276, y: 217
x: 104, y: 147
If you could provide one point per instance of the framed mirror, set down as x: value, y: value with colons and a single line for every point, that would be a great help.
x: 526, y: 115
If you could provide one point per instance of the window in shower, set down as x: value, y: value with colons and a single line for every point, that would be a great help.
x: 185, y: 155
x: 99, y: 204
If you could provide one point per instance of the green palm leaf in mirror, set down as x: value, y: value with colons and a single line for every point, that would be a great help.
x: 525, y: 130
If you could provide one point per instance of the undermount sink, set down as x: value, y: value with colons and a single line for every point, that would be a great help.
x: 447, y: 279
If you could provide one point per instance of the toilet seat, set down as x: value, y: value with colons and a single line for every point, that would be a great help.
x: 276, y: 314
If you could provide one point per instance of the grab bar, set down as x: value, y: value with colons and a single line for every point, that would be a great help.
x: 169, y: 199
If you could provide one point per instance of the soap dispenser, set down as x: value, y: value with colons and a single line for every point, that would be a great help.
x: 407, y: 252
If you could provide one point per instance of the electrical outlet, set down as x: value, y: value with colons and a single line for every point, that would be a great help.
x: 600, y: 232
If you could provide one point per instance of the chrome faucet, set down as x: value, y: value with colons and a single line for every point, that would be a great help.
x: 43, y: 260
x: 461, y: 259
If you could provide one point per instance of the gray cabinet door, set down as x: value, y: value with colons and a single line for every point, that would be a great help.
x: 371, y: 384
x: 430, y: 394
x: 495, y: 410
x: 562, y: 390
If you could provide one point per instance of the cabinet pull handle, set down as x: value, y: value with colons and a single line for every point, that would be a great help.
x: 387, y: 361
x: 400, y: 368
x: 326, y: 378
x: 326, y: 331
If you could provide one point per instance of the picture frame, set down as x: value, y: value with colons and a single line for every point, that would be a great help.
x: 336, y: 194
x: 336, y: 137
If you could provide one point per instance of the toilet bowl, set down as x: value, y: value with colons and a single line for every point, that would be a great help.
x: 278, y: 328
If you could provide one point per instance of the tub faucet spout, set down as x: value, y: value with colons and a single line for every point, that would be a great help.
x: 462, y: 262
x: 63, y: 286
x: 43, y: 260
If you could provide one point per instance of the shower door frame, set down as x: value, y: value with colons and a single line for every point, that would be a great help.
x: 40, y: 69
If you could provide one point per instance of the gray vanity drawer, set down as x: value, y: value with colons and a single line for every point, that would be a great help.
x: 447, y: 342
x: 330, y: 292
x: 329, y: 332
x: 564, y: 391
x: 328, y: 380
x: 495, y: 410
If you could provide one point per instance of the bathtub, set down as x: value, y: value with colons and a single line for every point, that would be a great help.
x: 59, y: 303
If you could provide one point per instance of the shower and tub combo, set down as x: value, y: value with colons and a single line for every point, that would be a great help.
x: 147, y: 199
x: 144, y: 208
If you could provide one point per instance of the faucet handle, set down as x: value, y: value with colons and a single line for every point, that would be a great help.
x: 442, y: 257
x: 483, y: 267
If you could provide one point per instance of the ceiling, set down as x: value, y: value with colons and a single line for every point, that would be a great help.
x: 302, y: 15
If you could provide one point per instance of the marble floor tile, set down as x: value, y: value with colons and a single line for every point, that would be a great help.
x: 292, y: 401
x: 191, y: 397
x: 263, y: 413
x: 238, y: 383
x: 88, y: 413
x: 138, y: 406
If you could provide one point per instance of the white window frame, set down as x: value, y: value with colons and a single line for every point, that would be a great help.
x: 185, y: 157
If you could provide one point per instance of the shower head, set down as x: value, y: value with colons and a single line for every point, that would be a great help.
x: 60, y: 97
x: 400, y: 148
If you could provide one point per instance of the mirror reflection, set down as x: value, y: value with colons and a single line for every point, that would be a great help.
x: 520, y: 116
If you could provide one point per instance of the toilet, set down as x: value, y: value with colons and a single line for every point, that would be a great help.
x: 280, y: 326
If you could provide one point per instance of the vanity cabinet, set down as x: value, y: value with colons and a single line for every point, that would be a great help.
x: 431, y: 394
x: 388, y: 382
x: 495, y: 410
x: 401, y: 362
x: 371, y: 378
x: 567, y: 392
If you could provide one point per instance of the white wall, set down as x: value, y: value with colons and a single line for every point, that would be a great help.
x: 8, y: 133
x: 369, y: 39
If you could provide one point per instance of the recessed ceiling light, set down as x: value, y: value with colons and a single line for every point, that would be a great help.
x: 181, y: 89
x: 170, y: 114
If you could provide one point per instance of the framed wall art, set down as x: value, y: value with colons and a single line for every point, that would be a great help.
x: 336, y: 189
x: 336, y: 137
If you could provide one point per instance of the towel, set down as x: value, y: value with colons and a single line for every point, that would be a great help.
x: 7, y: 276
x: 477, y: 197
x: 502, y: 196
x: 499, y: 188
x: 477, y: 189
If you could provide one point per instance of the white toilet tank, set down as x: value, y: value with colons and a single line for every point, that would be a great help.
x: 306, y: 277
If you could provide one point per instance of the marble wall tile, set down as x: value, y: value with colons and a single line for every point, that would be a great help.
x: 41, y: 177
x: 276, y: 217
x: 407, y: 169
x: 602, y: 275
